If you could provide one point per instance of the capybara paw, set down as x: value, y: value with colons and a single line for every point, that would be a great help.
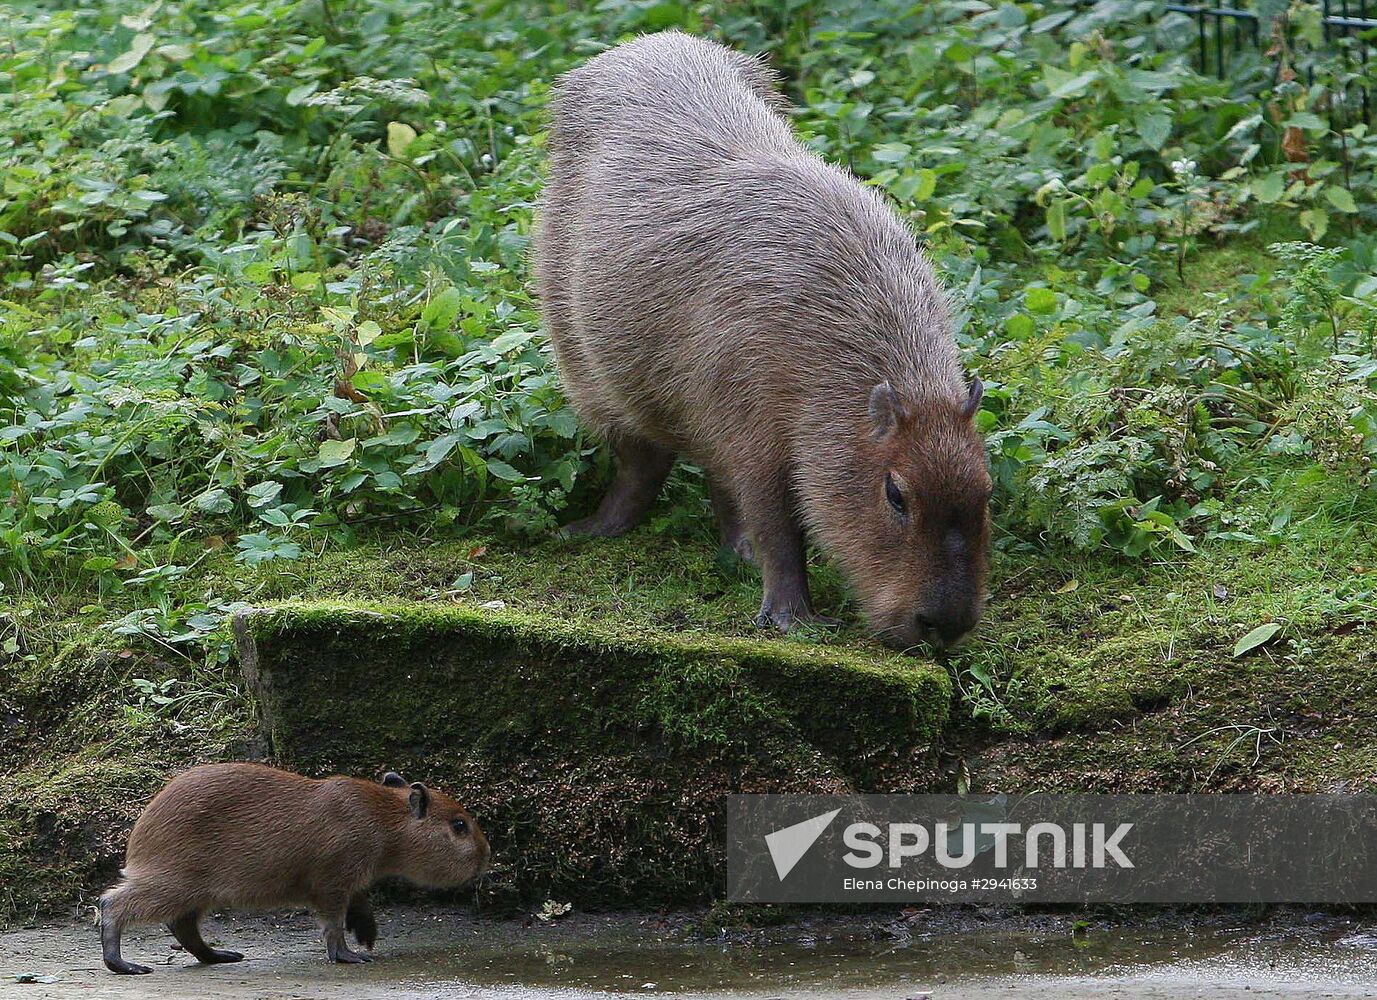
x: 346, y: 957
x: 123, y: 968
x: 595, y: 527
x: 776, y: 619
x: 218, y: 955
x: 786, y: 619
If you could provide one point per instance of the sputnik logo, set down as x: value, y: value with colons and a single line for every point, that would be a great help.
x: 789, y: 845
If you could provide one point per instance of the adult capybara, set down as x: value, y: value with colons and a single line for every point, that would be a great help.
x: 713, y: 289
x: 245, y: 835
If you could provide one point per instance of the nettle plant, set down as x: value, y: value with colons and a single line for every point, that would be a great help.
x: 263, y: 287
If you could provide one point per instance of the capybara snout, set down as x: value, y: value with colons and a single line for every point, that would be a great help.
x: 246, y: 835
x: 917, y: 539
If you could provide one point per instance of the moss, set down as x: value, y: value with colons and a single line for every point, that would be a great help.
x: 1129, y: 682
x: 597, y: 758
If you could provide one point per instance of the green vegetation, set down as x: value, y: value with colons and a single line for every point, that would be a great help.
x: 265, y: 334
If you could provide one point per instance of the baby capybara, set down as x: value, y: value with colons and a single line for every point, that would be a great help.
x: 245, y: 835
x: 714, y: 289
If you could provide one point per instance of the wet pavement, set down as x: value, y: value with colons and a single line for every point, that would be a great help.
x: 448, y: 954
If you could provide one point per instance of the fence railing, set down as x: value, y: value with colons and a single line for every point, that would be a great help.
x: 1349, y: 28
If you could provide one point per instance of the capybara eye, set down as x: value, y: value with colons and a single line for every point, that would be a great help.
x: 460, y: 827
x: 892, y: 494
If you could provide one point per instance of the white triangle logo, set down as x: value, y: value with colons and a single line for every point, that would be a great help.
x: 789, y: 845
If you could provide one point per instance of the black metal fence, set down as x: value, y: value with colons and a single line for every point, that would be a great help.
x: 1350, y: 37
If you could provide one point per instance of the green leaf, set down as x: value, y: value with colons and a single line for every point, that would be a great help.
x: 891, y: 152
x: 262, y: 493
x: 1307, y: 120
x: 440, y: 311
x: 510, y: 340
x: 369, y: 383
x: 502, y: 470
x: 1040, y: 301
x: 1315, y: 221
x: 1269, y: 189
x: 1341, y: 199
x: 1063, y: 85
x: 400, y: 136
x: 1255, y: 638
x: 215, y: 501
x: 170, y: 512
x: 138, y: 48
x: 334, y: 453
x: 1020, y: 326
x: 298, y: 94
x: 368, y: 332
x: 1155, y: 129
x: 1056, y: 220
x: 440, y: 448
x: 917, y: 185
x: 927, y: 184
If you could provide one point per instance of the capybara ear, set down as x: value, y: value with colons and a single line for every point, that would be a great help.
x: 973, y: 400
x: 420, y: 800
x: 886, y: 409
x: 394, y: 780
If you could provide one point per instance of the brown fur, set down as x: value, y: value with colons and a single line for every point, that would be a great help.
x: 246, y: 835
x: 715, y: 290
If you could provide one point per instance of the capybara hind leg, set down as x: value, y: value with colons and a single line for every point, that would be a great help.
x: 729, y: 523
x: 359, y: 920
x: 187, y: 930
x: 112, y: 920
x: 642, y: 468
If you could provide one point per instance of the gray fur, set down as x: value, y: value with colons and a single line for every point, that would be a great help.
x: 714, y: 289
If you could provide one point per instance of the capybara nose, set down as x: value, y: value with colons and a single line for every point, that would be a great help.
x: 942, y: 629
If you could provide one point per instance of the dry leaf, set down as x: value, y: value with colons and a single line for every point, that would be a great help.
x: 1294, y: 146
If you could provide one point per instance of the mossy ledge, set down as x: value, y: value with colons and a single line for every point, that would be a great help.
x: 596, y: 759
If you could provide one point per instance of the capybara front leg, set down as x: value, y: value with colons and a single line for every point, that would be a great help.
x: 359, y: 920
x: 733, y: 531
x: 187, y: 930
x: 778, y: 544
x: 333, y: 914
x: 111, y: 927
x: 642, y: 468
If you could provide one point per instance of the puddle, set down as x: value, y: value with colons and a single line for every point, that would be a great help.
x: 451, y: 956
